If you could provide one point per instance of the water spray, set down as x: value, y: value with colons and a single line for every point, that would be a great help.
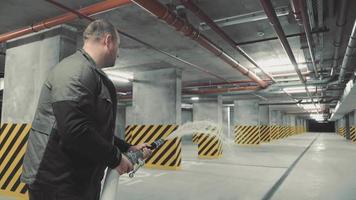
x: 137, y: 157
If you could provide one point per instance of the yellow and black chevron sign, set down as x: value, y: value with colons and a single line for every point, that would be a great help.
x: 274, y: 132
x: 168, y: 156
x: 247, y: 134
x: 209, y: 146
x: 196, y: 137
x: 353, y: 134
x: 13, y: 141
x: 284, y: 132
x: 342, y: 131
x: 265, y: 133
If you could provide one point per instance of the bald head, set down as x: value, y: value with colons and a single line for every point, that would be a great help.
x: 101, y: 41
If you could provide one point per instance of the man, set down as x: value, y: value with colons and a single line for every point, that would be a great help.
x: 72, y: 137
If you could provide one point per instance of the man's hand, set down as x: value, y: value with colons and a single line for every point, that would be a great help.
x: 139, y: 147
x: 125, y: 165
x: 144, y: 148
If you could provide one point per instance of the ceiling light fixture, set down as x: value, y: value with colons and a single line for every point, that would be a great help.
x: 194, y: 98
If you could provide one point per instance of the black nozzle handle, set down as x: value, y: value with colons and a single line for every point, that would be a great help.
x: 156, y: 144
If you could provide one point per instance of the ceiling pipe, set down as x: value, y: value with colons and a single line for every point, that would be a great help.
x: 267, y: 6
x: 220, y: 90
x: 162, y: 12
x: 212, y: 84
x: 204, y: 17
x: 340, y: 23
x: 318, y: 31
x: 67, y: 17
x: 307, y: 29
x: 208, y: 91
x: 201, y: 69
x: 349, y: 55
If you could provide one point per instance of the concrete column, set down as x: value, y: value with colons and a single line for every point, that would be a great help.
x: 28, y: 61
x: 264, y: 115
x: 264, y: 123
x: 156, y: 97
x: 210, y: 111
x: 187, y: 115
x: 246, y: 120
x: 246, y: 112
x: 352, y: 123
x: 120, y: 122
x: 275, y: 124
x: 293, y: 124
x: 343, y: 126
x: 347, y: 126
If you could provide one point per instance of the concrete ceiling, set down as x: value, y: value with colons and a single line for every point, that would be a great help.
x: 135, y: 21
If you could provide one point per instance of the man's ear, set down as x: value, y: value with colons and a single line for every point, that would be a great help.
x: 108, y: 39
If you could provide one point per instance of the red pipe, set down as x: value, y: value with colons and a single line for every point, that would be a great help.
x: 46, y: 24
x: 162, y: 12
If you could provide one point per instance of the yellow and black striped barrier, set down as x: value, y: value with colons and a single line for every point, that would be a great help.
x: 209, y: 146
x: 265, y: 133
x: 353, y: 134
x: 13, y: 142
x: 247, y: 134
x: 196, y: 137
x: 342, y: 131
x: 274, y: 132
x: 168, y: 156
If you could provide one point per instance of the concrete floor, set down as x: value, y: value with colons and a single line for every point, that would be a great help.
x: 326, y: 170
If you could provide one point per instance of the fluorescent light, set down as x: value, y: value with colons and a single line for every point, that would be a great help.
x: 194, y: 98
x: 317, y: 117
x: 118, y: 76
x: 300, y: 89
x: 187, y: 106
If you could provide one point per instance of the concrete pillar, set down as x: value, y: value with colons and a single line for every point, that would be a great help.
x: 347, y: 126
x: 275, y: 124
x: 157, y: 97
x: 342, y: 126
x: 209, y: 111
x: 120, y: 122
x: 293, y: 124
x: 28, y: 61
x: 352, y: 121
x: 264, y: 123
x: 285, y: 123
x: 264, y: 115
x: 247, y: 122
x: 155, y: 114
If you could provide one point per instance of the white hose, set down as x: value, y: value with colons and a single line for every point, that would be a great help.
x: 110, y: 186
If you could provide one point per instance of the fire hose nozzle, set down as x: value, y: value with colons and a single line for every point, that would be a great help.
x: 137, y: 157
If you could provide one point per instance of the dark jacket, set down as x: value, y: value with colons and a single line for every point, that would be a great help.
x: 72, y: 137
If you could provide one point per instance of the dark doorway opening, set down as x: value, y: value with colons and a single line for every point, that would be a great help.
x: 314, y: 126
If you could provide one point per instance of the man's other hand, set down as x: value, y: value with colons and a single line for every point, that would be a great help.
x: 125, y: 165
